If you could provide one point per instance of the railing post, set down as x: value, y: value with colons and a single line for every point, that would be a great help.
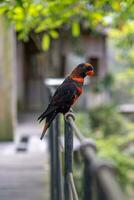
x: 52, y: 148
x: 89, y: 177
x: 58, y: 162
x: 88, y: 183
x: 55, y: 176
x: 52, y: 161
x: 68, y: 159
x: 100, y: 194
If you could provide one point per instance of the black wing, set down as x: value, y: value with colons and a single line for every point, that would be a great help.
x: 62, y: 97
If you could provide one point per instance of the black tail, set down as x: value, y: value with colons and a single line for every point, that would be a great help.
x: 50, y: 109
x: 42, y: 116
x: 49, y: 119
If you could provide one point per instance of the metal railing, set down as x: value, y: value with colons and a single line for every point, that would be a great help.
x: 99, y: 176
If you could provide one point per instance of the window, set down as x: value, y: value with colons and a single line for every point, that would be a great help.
x: 62, y: 65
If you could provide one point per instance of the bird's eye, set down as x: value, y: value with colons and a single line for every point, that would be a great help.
x: 90, y: 68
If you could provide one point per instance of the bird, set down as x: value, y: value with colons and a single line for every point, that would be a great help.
x: 66, y: 94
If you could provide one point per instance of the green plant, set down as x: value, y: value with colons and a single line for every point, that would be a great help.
x: 114, y: 148
x: 124, y: 90
x: 103, y: 84
x: 45, y: 17
x: 106, y: 120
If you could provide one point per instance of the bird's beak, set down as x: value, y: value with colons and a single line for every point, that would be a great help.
x: 90, y: 73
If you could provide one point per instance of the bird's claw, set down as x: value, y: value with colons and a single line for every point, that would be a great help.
x: 71, y: 110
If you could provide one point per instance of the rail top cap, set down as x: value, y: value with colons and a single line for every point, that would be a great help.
x: 55, y: 82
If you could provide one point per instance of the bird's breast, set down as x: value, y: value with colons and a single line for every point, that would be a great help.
x: 79, y: 90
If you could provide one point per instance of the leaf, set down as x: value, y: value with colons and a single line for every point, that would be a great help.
x: 32, y: 10
x: 54, y: 34
x: 75, y: 29
x: 19, y: 26
x: 116, y: 5
x: 3, y: 8
x: 45, y: 42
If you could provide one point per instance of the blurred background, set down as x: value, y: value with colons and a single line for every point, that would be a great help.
x: 41, y: 39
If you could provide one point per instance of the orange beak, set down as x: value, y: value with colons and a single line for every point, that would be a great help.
x: 90, y: 73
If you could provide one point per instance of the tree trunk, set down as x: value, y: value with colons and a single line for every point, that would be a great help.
x: 7, y: 81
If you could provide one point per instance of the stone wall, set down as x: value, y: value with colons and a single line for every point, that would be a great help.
x: 7, y: 81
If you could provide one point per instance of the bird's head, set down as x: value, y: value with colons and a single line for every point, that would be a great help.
x: 83, y: 70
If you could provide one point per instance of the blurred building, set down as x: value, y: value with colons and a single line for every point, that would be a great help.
x: 33, y: 66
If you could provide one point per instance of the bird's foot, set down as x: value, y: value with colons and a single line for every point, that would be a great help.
x: 71, y: 110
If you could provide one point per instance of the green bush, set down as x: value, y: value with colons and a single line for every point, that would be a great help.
x: 113, y: 149
x: 115, y: 136
x: 107, y: 120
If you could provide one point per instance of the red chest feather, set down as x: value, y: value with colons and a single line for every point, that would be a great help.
x: 79, y: 90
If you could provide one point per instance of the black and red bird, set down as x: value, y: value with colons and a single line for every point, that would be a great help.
x: 66, y: 94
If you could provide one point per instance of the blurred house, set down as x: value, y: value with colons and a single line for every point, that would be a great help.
x: 25, y: 68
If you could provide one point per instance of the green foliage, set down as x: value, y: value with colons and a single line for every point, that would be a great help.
x: 124, y: 90
x: 75, y: 29
x: 48, y: 16
x: 45, y: 42
x: 82, y: 122
x: 124, y: 58
x: 106, y: 120
x: 54, y: 34
x: 112, y: 148
x: 103, y: 84
x: 124, y: 43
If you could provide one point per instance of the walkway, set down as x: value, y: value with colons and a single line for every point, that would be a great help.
x: 24, y: 172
